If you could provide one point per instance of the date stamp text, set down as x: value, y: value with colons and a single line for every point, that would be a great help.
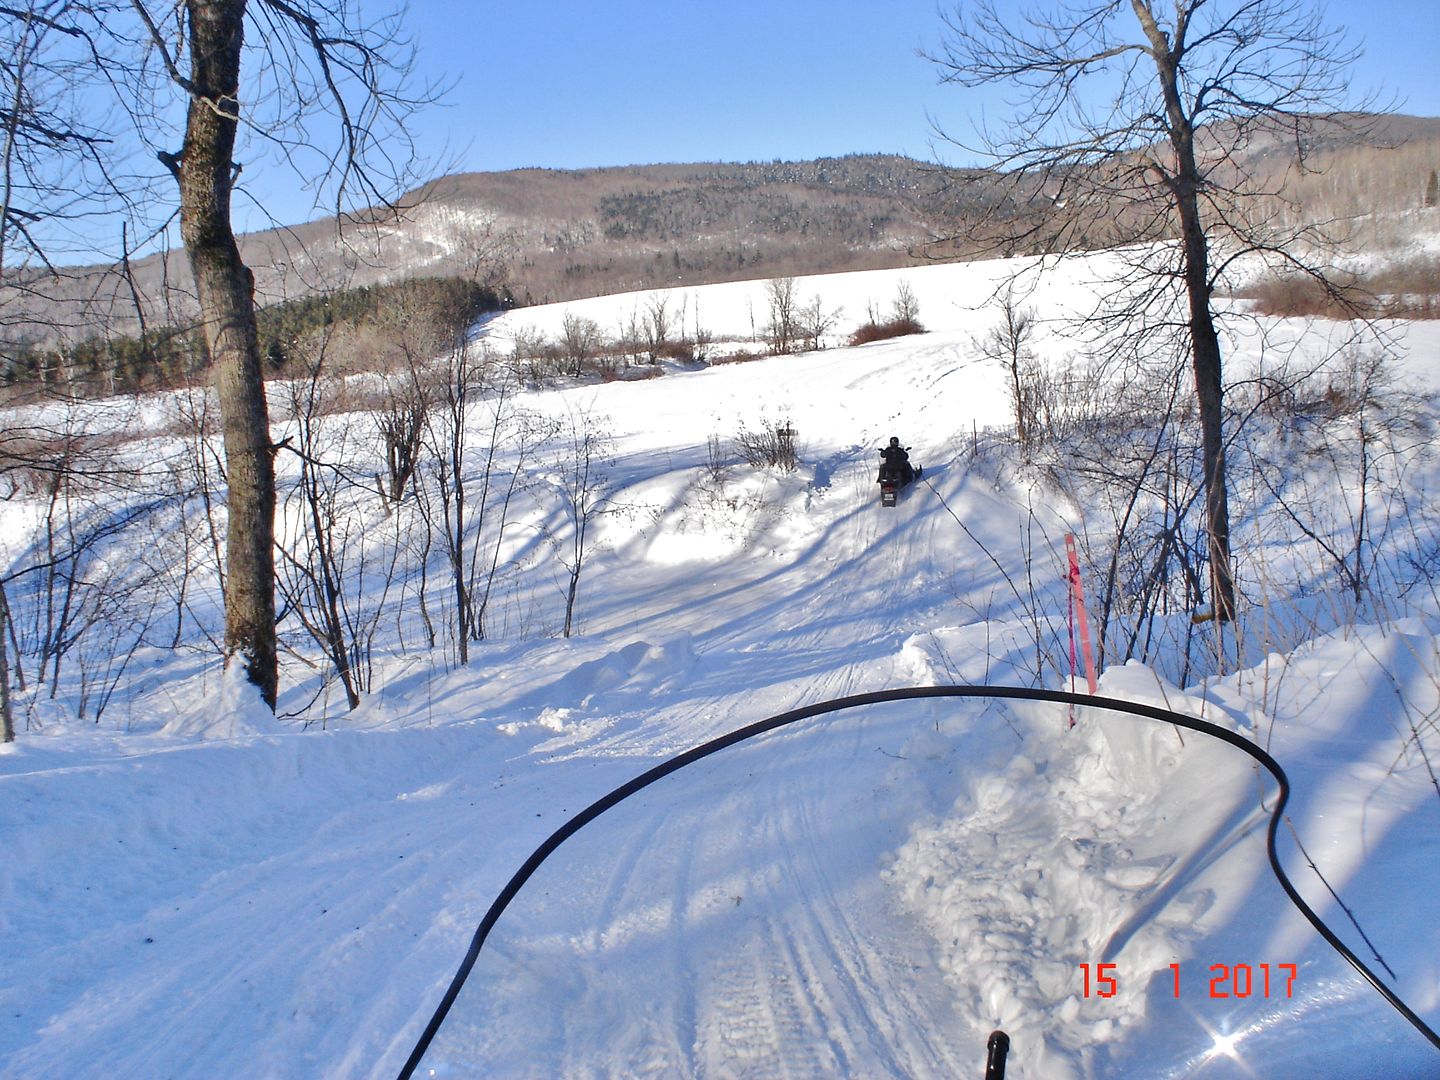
x: 1224, y: 980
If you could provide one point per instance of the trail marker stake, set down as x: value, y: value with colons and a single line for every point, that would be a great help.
x: 1077, y: 606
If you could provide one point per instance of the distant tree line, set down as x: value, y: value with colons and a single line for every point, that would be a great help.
x: 684, y: 213
x: 170, y: 355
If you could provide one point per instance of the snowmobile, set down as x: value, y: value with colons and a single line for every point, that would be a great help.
x: 893, y: 479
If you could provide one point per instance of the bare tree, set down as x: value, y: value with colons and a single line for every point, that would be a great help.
x: 783, y: 327
x: 50, y: 144
x: 314, y: 588
x: 816, y: 321
x: 477, y: 446
x: 1008, y: 342
x: 1142, y: 121
x: 581, y: 339
x: 400, y: 423
x: 584, y: 490
x: 318, y: 66
x: 36, y: 128
x: 483, y: 249
x: 465, y: 379
x: 657, y: 326
x: 905, y: 307
x: 701, y: 340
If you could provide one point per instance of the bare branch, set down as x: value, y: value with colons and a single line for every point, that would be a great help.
x: 157, y: 41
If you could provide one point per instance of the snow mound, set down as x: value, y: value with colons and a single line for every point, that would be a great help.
x: 233, y: 710
x: 1067, y: 855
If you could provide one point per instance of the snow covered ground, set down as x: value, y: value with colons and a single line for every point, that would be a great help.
x: 193, y: 889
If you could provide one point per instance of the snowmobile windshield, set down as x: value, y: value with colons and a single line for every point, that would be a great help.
x: 871, y: 893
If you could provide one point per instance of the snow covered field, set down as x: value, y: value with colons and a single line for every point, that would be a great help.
x: 192, y: 889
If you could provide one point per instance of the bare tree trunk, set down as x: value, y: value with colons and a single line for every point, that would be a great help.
x: 1205, y: 353
x: 205, y: 173
x: 455, y: 537
x: 7, y: 721
x: 1204, y: 341
x: 327, y: 587
x: 570, y: 597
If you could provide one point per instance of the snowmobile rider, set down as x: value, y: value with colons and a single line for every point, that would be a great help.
x: 896, y: 463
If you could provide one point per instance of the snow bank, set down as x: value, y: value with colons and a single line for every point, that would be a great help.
x: 233, y: 710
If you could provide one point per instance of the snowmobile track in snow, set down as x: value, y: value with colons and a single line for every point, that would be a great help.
x: 698, y: 753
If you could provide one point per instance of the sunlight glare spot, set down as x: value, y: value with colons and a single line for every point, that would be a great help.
x: 1224, y: 1045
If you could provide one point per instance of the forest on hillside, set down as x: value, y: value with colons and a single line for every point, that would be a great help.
x: 540, y: 235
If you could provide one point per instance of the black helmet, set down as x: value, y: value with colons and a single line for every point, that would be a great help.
x: 894, y: 440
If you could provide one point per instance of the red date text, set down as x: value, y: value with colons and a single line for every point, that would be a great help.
x: 1224, y: 980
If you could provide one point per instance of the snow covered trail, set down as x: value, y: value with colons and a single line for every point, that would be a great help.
x: 731, y: 920
x: 246, y: 872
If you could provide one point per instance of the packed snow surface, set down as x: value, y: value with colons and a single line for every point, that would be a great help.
x: 193, y: 888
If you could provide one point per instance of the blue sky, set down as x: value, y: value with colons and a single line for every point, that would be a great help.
x: 566, y: 83
x: 574, y: 84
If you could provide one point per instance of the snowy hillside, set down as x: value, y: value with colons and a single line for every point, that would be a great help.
x: 193, y: 889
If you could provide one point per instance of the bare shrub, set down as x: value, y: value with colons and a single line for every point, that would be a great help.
x: 581, y: 342
x: 739, y: 356
x: 533, y: 356
x: 197, y: 475
x: 85, y: 593
x: 772, y: 446
x: 892, y: 328
x: 400, y: 422
x: 1354, y: 491
x: 1295, y: 296
x: 1407, y: 289
x: 717, y: 461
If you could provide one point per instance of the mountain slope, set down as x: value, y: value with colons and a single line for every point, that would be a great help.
x: 559, y: 234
